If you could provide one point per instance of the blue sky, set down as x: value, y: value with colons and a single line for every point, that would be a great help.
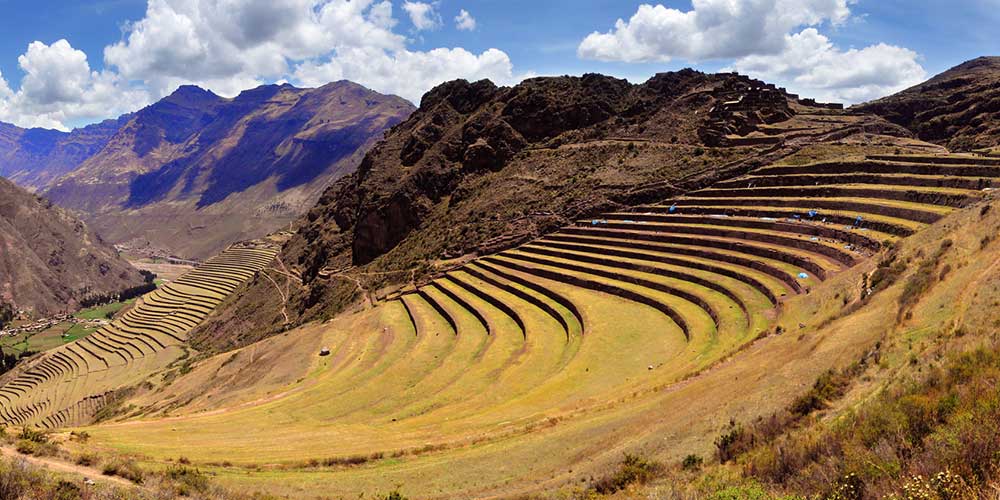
x: 68, y: 63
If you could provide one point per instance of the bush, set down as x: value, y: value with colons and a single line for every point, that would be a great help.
x: 188, y: 480
x: 395, y: 495
x: 124, y: 468
x: 734, y: 443
x: 692, y: 462
x: 33, y: 435
x: 945, y: 425
x: 828, y: 387
x: 633, y: 470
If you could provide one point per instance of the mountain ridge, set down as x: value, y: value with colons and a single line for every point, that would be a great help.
x: 196, y: 171
x: 958, y: 108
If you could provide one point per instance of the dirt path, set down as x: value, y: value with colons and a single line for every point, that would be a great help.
x: 66, y: 467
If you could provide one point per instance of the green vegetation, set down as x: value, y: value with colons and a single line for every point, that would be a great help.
x: 6, y: 314
x: 944, y: 427
x: 634, y: 469
x: 106, y: 311
x: 123, y: 467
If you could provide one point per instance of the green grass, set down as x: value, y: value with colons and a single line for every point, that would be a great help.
x: 106, y: 311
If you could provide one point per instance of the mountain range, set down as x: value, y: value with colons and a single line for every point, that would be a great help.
x: 195, y: 171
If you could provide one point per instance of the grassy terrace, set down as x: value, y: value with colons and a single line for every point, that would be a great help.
x: 568, y: 347
x: 70, y: 383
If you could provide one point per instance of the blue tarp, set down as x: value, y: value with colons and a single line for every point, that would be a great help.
x: 803, y: 276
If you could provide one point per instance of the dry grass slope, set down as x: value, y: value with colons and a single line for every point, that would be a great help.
x: 523, y: 370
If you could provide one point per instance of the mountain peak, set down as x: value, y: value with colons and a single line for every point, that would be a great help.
x: 191, y: 94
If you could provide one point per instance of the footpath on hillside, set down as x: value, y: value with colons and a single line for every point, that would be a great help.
x: 62, y: 466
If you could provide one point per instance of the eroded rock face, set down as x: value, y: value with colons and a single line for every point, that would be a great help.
x: 959, y: 109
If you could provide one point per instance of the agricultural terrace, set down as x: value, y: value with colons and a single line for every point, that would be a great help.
x: 564, y: 333
x: 69, y: 384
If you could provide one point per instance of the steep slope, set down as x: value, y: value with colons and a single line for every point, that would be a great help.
x: 33, y: 158
x: 195, y: 171
x: 49, y: 260
x: 480, y: 168
x: 959, y: 109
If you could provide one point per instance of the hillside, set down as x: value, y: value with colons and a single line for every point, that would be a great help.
x: 50, y: 260
x: 959, y: 109
x: 785, y: 310
x: 36, y: 157
x: 480, y: 168
x: 195, y: 171
x: 530, y: 372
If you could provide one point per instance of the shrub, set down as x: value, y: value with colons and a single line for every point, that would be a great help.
x: 632, y: 470
x: 26, y: 447
x: 828, y: 387
x: 124, y: 468
x: 692, y: 462
x: 65, y: 490
x: 850, y: 487
x: 33, y: 435
x: 87, y: 460
x: 734, y: 443
x: 188, y: 480
x: 395, y: 495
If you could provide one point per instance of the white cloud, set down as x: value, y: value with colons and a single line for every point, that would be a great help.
x: 59, y: 87
x: 381, y: 70
x: 464, y: 21
x: 775, y: 40
x: 713, y: 29
x: 811, y: 65
x: 423, y: 15
x: 231, y: 45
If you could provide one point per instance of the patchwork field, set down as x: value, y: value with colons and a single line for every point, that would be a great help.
x: 525, y: 369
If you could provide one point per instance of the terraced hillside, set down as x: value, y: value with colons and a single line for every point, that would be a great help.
x: 538, y: 359
x: 70, y: 384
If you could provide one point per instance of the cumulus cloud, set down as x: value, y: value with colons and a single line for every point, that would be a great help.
x: 775, y: 40
x: 813, y: 66
x: 464, y: 21
x: 59, y: 87
x: 231, y: 45
x: 380, y: 70
x: 423, y: 15
x: 713, y: 29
